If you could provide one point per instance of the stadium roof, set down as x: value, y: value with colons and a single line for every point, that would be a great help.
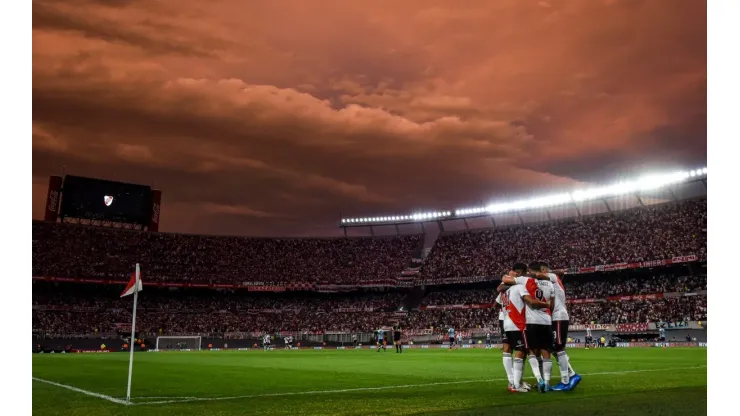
x: 646, y: 190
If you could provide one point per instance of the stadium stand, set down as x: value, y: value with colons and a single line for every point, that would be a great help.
x: 636, y: 235
x: 65, y: 250
x: 79, y: 309
x: 89, y: 256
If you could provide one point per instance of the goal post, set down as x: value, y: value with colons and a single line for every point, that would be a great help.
x: 178, y: 343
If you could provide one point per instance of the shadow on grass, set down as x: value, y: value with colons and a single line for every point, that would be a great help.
x: 669, y: 402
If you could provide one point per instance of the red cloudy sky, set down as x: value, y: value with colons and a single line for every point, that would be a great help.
x: 270, y: 117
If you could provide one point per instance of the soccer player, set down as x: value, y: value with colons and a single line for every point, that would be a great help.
x: 539, y: 323
x: 502, y: 300
x: 518, y: 302
x: 288, y: 341
x: 560, y: 322
x: 451, y: 333
x: 589, y: 340
x: 662, y: 334
x: 354, y: 340
x: 381, y: 341
x: 266, y: 342
x: 397, y: 338
x: 488, y: 339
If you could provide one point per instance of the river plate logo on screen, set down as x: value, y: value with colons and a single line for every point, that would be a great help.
x: 108, y: 200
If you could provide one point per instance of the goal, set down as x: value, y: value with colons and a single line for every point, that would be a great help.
x: 178, y: 343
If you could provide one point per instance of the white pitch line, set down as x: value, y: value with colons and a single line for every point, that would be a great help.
x: 403, y: 386
x: 164, y: 397
x: 85, y: 392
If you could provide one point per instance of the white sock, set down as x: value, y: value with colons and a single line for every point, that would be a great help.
x: 535, y: 367
x: 509, y: 367
x: 518, y: 370
x: 571, y: 371
x: 547, y: 370
x: 564, y: 364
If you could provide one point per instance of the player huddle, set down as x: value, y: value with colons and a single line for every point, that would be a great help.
x: 534, y: 325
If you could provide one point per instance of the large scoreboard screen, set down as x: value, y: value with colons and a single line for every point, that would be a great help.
x: 97, y: 199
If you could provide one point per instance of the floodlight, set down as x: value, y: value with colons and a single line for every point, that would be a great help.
x: 704, y: 171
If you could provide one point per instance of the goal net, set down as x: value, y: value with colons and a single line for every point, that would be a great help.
x: 178, y: 343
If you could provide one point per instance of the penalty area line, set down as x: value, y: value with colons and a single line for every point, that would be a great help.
x: 82, y: 391
x: 403, y: 386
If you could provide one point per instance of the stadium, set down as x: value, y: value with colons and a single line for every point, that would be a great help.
x: 208, y: 302
x: 333, y: 207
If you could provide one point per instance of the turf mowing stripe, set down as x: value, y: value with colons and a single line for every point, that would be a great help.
x: 403, y: 386
x: 85, y: 392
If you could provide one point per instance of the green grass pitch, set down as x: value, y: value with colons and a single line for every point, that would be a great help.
x: 361, y: 382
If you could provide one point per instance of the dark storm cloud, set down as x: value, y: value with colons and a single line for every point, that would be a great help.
x: 272, y: 117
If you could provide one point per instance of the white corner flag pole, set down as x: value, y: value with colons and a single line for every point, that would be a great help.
x: 133, y: 332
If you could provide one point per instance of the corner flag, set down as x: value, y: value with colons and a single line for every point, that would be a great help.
x: 134, y: 286
x: 132, y: 283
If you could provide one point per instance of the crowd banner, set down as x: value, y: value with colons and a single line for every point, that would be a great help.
x: 651, y: 296
x: 594, y: 327
x: 266, y: 288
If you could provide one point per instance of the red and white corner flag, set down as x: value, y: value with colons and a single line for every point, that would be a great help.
x: 131, y: 286
x: 134, y: 286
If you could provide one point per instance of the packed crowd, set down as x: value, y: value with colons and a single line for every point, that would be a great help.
x: 63, y: 323
x: 206, y: 301
x: 650, y: 233
x: 618, y: 285
x: 645, y: 234
x: 64, y: 250
x: 89, y: 309
x: 678, y: 309
x: 589, y: 287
